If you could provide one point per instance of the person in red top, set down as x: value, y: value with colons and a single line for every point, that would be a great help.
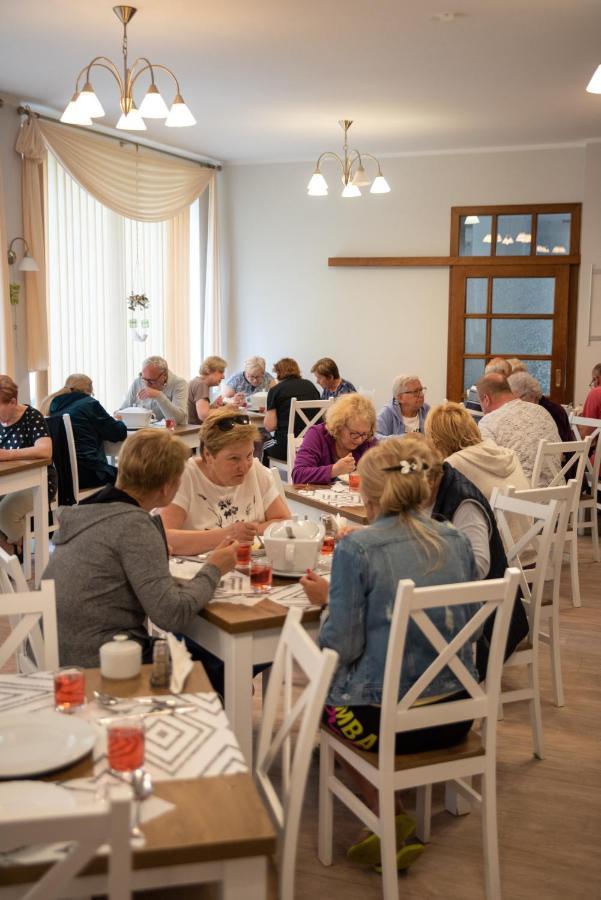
x: 592, y: 404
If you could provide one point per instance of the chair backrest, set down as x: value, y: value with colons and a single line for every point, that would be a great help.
x: 592, y: 466
x: 31, y: 607
x: 542, y: 519
x: 30, y: 655
x: 72, y: 454
x: 297, y: 408
x: 575, y: 454
x: 277, y: 478
x: 107, y: 822
x: 61, y: 458
x: 294, y: 647
x: 412, y: 604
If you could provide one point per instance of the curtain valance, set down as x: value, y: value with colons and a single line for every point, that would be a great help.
x: 134, y: 181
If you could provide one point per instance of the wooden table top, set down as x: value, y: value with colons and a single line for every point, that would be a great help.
x: 214, y: 818
x: 20, y: 465
x: 237, y: 619
x: 303, y: 493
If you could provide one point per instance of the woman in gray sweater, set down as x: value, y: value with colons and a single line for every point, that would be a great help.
x: 111, y: 562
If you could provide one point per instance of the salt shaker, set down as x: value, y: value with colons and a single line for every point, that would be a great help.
x: 161, y: 664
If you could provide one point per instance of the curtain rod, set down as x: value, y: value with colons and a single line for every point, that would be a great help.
x: 26, y: 111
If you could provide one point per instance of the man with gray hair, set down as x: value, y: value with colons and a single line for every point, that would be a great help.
x: 160, y: 391
x: 406, y: 412
x: 526, y: 387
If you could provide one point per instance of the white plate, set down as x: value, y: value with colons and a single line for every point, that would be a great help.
x: 18, y: 798
x: 35, y: 743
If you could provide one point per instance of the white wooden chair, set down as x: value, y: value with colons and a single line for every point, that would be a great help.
x: 294, y: 647
x: 107, y: 822
x: 576, y: 454
x: 474, y: 756
x: 549, y: 615
x: 590, y: 501
x: 78, y: 493
x: 29, y: 609
x: 12, y: 581
x: 298, y: 408
x: 277, y: 478
x: 544, y: 518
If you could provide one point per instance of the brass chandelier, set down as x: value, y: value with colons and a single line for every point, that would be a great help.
x: 85, y: 106
x: 353, y: 174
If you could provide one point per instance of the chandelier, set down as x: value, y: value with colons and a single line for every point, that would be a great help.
x: 353, y: 173
x: 85, y: 105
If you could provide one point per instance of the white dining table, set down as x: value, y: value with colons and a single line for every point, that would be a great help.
x: 189, y: 434
x: 31, y: 474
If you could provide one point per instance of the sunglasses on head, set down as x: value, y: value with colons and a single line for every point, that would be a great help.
x: 226, y: 424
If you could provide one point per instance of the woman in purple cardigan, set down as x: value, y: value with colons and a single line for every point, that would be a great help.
x: 336, y: 446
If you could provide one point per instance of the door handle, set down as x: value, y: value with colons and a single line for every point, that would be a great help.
x: 557, y: 377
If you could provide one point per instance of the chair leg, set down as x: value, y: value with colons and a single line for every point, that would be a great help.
x: 390, y: 878
x: 535, y: 711
x: 27, y: 538
x: 423, y: 813
x: 556, y: 676
x: 490, y: 837
x: 574, y: 574
x: 455, y: 803
x: 326, y: 802
x: 595, y: 534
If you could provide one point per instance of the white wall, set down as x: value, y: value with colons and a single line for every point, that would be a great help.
x: 588, y: 355
x: 283, y: 300
x: 10, y: 163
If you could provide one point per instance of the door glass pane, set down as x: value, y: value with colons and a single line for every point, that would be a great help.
x: 473, y: 369
x: 474, y: 235
x: 475, y: 295
x: 541, y: 369
x: 514, y: 235
x: 553, y: 234
x: 517, y: 337
x: 475, y: 335
x: 523, y: 295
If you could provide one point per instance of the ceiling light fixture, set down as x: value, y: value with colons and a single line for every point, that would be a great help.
x: 353, y: 173
x: 85, y: 106
x: 28, y: 263
x: 472, y: 220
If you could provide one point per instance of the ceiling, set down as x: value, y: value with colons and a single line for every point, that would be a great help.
x: 268, y: 80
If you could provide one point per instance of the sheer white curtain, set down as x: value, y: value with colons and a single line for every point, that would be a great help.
x: 95, y: 259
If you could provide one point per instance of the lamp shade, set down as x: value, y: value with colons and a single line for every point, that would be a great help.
x: 153, y: 106
x: 318, y: 186
x: 472, y: 220
x: 380, y: 186
x: 351, y: 190
x: 88, y: 103
x: 28, y: 264
x: 73, y: 115
x: 133, y: 121
x: 360, y: 178
x: 179, y: 114
x: 594, y: 85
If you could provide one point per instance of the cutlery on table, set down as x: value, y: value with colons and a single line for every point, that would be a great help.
x: 141, y: 784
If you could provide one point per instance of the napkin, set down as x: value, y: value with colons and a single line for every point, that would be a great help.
x: 181, y: 664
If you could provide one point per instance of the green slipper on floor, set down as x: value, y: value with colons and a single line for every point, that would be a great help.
x: 405, y: 857
x: 367, y: 851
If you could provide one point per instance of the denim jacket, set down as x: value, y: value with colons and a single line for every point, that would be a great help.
x: 366, y: 570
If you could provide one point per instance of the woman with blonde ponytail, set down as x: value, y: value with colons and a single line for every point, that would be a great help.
x: 92, y: 426
x: 400, y: 542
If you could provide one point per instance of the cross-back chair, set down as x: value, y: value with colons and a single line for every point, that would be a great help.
x: 474, y: 756
x: 30, y: 653
x: 299, y: 409
x: 543, y: 519
x: 275, y: 739
x: 29, y: 609
x: 590, y: 501
x: 574, y: 455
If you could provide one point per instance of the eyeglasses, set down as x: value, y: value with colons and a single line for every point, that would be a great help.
x: 416, y: 392
x: 160, y: 380
x: 358, y: 435
x: 227, y: 424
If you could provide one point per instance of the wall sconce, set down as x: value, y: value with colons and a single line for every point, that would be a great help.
x: 28, y: 263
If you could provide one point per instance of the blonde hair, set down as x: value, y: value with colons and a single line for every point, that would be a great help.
x: 8, y: 389
x: 346, y: 406
x: 213, y: 439
x: 255, y: 364
x: 449, y: 427
x: 402, y: 493
x: 517, y: 365
x: 498, y: 364
x: 76, y: 382
x: 150, y: 459
x: 212, y: 364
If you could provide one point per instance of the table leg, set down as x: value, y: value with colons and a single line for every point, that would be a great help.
x: 245, y: 879
x: 40, y: 521
x: 238, y: 661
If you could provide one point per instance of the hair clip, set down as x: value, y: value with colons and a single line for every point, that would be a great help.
x: 405, y: 467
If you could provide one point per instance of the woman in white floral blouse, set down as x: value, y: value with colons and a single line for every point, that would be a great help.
x: 225, y: 491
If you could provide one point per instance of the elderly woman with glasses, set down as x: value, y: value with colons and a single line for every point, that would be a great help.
x: 253, y: 377
x: 407, y: 411
x: 334, y: 447
x: 225, y: 492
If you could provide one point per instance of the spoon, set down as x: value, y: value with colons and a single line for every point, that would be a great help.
x: 141, y: 784
x: 108, y: 700
x: 290, y: 532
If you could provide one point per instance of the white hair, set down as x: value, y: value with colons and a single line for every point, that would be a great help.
x: 255, y: 364
x: 157, y: 362
x: 400, y: 383
x: 525, y: 386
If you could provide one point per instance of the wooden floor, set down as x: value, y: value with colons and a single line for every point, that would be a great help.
x: 549, y: 810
